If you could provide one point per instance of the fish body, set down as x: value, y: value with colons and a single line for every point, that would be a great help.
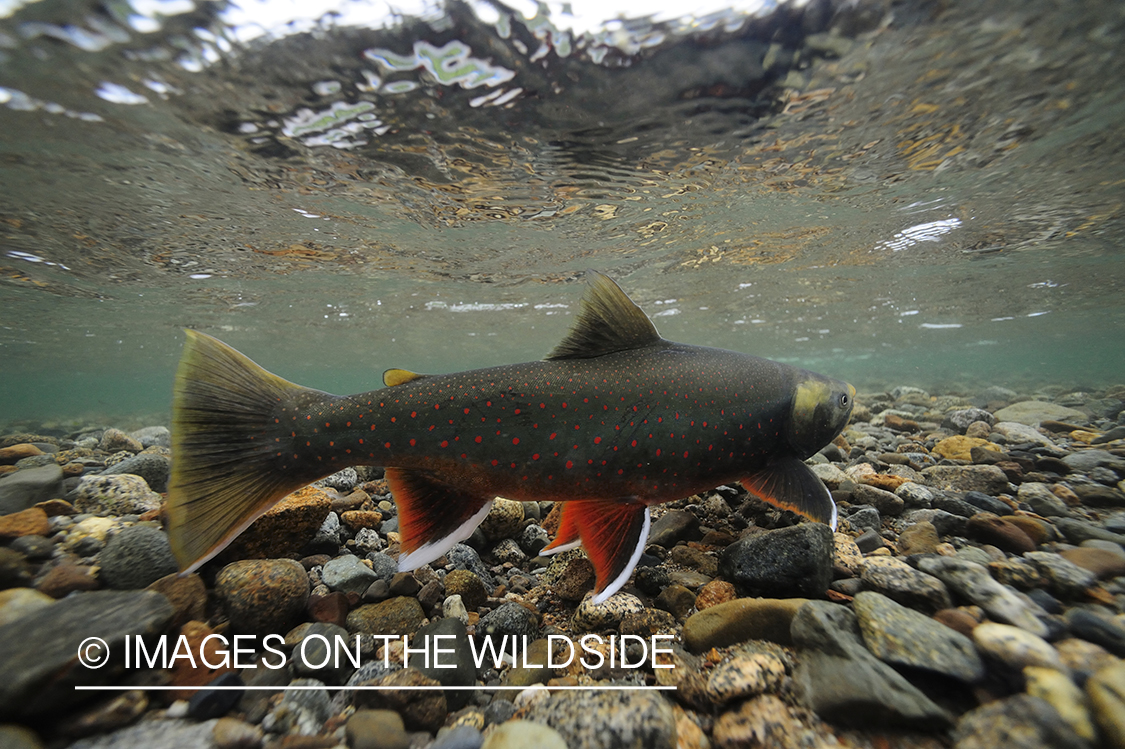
x: 616, y: 419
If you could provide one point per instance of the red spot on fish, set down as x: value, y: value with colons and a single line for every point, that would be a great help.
x: 478, y: 439
x: 570, y: 464
x: 412, y: 442
x: 445, y: 443
x: 597, y: 440
x: 515, y: 440
x: 387, y: 445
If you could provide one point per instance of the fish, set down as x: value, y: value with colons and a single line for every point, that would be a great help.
x: 614, y: 420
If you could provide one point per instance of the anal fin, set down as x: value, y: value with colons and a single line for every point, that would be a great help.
x: 791, y: 485
x: 613, y: 533
x: 432, y: 515
x: 567, y: 537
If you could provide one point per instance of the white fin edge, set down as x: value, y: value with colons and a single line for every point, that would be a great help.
x: 620, y: 580
x: 430, y: 551
x: 560, y: 549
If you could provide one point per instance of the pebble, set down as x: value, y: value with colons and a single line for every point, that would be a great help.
x: 420, y: 710
x: 348, y: 574
x: 794, y: 561
x: 764, y: 722
x: 231, y: 733
x: 1057, y: 689
x: 284, y: 529
x: 154, y: 469
x: 18, y: 602
x: 900, y: 582
x: 30, y: 522
x: 974, y: 478
x: 38, y: 649
x: 522, y: 734
x: 1064, y: 578
x: 64, y: 579
x: 716, y: 592
x: 14, y: 736
x: 454, y: 666
x: 1041, y: 500
x: 745, y: 676
x: 988, y: 528
x: 1018, y: 722
x: 884, y: 502
x: 503, y: 520
x: 903, y: 637
x: 262, y: 596
x: 740, y: 620
x: 166, y: 734
x: 1016, y: 647
x: 1106, y: 691
x: 676, y: 599
x: 608, y: 720
x: 509, y: 619
x: 136, y: 557
x: 396, y: 616
x: 673, y: 526
x: 123, y: 494
x: 844, y: 683
x: 1098, y: 628
x: 972, y: 581
x: 590, y: 616
x: 462, y: 736
x: 22, y: 489
x: 1032, y: 412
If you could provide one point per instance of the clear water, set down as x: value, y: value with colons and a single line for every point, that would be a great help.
x: 925, y: 194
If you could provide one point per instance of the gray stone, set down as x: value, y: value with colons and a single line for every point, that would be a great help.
x: 787, y: 562
x: 1064, y: 578
x: 672, y: 526
x: 844, y: 683
x: 1077, y: 531
x: 865, y: 518
x: 166, y: 734
x: 885, y: 502
x: 960, y: 420
x: 903, y: 637
x: 609, y: 720
x: 1016, y: 433
x: 1087, y: 460
x: 154, y: 469
x: 973, y: 582
x: 348, y: 574
x: 984, y: 479
x: 450, y: 669
x: 157, y: 436
x: 39, y: 650
x: 1042, y: 501
x: 136, y: 557
x: 382, y: 565
x: 509, y: 619
x: 900, y: 582
x: 320, y: 654
x: 1017, y: 722
x: 1097, y: 628
x: 26, y: 487
x: 341, y: 481
x: 121, y: 494
x: 1033, y: 412
x: 465, y: 557
x: 327, y: 538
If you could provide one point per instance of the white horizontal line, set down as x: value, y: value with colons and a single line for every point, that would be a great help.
x: 360, y: 688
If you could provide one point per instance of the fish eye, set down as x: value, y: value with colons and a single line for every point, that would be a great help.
x: 843, y: 400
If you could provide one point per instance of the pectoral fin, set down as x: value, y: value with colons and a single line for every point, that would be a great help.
x: 432, y: 516
x: 791, y: 485
x: 613, y: 533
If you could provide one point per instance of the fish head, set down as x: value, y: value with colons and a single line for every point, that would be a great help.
x: 821, y: 409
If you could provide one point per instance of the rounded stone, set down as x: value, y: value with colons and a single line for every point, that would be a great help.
x: 503, y: 520
x: 30, y: 522
x: 154, y: 469
x: 395, y: 616
x: 714, y: 593
x: 1017, y: 722
x: 741, y: 620
x: 1057, y: 689
x: 1015, y: 647
x: 263, y: 596
x: 231, y: 733
x: 467, y: 585
x: 15, y: 602
x: 608, y: 614
x: 508, y: 619
x: 794, y: 561
x: 348, y: 574
x: 136, y: 557
x: 745, y: 676
x: 122, y: 494
x: 1106, y: 690
x: 521, y: 734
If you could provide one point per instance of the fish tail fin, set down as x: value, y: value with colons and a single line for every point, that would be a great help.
x: 225, y: 466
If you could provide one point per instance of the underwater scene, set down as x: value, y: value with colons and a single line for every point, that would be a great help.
x: 560, y: 374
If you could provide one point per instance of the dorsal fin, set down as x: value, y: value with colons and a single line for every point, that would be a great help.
x: 394, y: 377
x: 608, y: 321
